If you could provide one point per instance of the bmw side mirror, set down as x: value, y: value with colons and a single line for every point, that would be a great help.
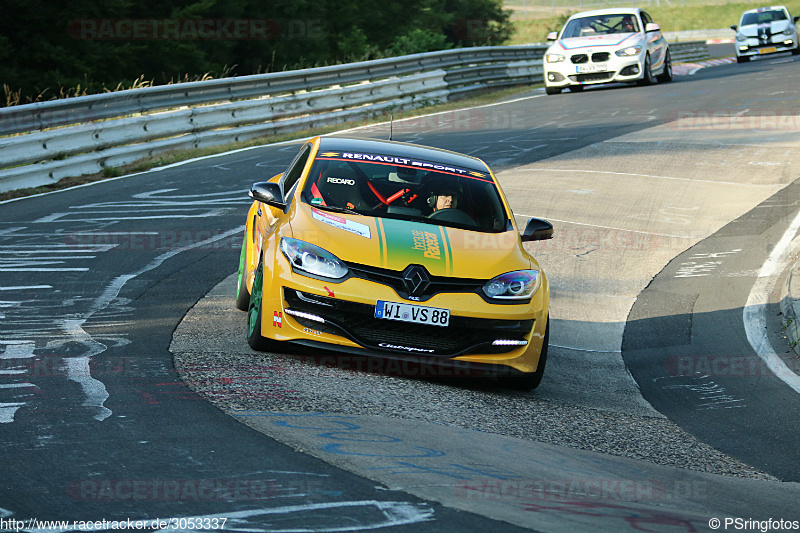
x: 734, y: 27
x: 552, y: 36
x: 651, y: 27
x: 537, y: 230
x: 795, y: 19
x: 269, y: 193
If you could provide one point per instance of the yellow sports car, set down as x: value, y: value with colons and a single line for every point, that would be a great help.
x: 398, y: 252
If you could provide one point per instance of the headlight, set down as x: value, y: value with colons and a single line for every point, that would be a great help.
x: 788, y: 31
x: 630, y: 51
x: 741, y: 37
x: 312, y: 259
x: 553, y: 58
x: 519, y: 285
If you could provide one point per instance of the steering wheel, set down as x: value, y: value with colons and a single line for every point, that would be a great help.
x: 451, y: 214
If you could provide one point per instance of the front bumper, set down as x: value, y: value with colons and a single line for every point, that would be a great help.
x: 752, y: 47
x: 615, y: 70
x: 341, y: 317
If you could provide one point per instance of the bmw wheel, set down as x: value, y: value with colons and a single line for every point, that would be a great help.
x: 647, y: 77
x: 552, y: 90
x: 666, y: 74
x: 742, y: 59
x: 242, y: 294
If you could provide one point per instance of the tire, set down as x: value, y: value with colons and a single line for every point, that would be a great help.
x: 552, y: 90
x: 255, y: 315
x: 647, y: 78
x: 742, y: 59
x: 666, y: 74
x: 242, y: 294
x: 796, y: 51
x: 531, y: 381
x: 575, y: 88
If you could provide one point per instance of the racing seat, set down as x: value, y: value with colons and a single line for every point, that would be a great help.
x: 340, y: 186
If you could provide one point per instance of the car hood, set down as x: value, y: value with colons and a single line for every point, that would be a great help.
x: 394, y: 244
x: 751, y: 30
x: 593, y: 41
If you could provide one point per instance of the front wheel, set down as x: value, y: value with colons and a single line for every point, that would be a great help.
x: 552, y: 90
x: 255, y: 314
x: 666, y: 74
x: 242, y: 294
x: 796, y: 51
x: 531, y: 381
x: 742, y: 59
x: 648, y: 78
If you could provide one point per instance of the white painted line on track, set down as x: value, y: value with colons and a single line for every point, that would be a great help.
x: 389, y: 513
x: 7, y: 411
x: 754, y: 314
x: 18, y: 350
x: 518, y: 215
x: 582, y: 349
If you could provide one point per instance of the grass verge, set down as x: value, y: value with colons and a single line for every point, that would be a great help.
x: 671, y: 18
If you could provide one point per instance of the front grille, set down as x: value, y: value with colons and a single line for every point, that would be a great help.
x: 600, y: 57
x: 579, y: 58
x: 438, y: 284
x: 593, y: 76
x: 358, y: 323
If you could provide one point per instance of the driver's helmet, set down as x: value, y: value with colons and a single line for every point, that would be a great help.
x: 627, y: 24
x: 444, y: 188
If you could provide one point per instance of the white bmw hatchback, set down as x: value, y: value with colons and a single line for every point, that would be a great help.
x: 765, y: 30
x: 606, y: 46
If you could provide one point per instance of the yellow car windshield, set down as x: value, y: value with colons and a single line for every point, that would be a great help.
x: 394, y: 187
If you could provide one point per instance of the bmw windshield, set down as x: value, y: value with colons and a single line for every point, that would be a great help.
x: 396, y: 187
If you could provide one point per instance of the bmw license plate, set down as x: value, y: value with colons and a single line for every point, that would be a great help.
x: 770, y: 50
x: 595, y: 67
x: 418, y: 314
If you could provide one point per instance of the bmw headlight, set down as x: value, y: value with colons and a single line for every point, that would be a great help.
x: 629, y: 51
x: 312, y: 259
x: 788, y: 31
x: 518, y: 285
x: 554, y: 58
x: 741, y: 37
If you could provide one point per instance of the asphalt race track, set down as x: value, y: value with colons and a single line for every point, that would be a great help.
x: 656, y: 412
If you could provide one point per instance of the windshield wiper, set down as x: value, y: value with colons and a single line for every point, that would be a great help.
x: 337, y: 209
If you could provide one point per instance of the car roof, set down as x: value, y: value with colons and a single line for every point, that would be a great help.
x: 767, y: 8
x: 400, y: 149
x: 608, y: 11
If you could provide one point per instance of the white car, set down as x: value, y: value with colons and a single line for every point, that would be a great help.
x: 606, y: 46
x: 765, y: 30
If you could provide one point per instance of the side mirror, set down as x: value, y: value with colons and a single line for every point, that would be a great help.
x: 537, y: 230
x: 552, y: 36
x: 268, y: 192
x: 652, y: 26
x: 795, y: 19
x: 734, y: 27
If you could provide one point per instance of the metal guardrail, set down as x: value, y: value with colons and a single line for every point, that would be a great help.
x: 44, y: 142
